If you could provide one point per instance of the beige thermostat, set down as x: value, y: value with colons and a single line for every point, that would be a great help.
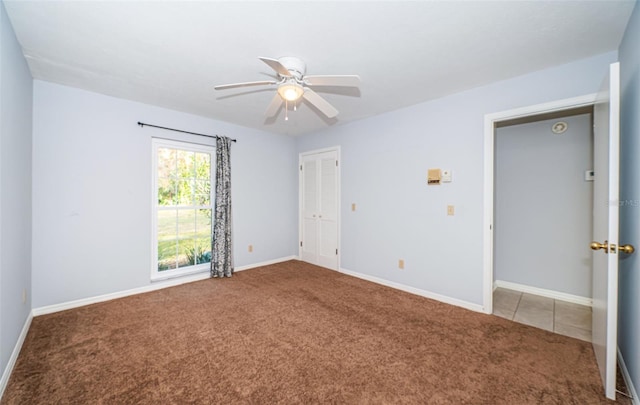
x: 433, y: 177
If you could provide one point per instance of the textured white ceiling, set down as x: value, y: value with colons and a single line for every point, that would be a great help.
x: 172, y: 53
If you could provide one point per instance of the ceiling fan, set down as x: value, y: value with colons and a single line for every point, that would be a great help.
x: 293, y: 84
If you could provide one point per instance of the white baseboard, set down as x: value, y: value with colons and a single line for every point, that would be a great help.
x: 63, y: 306
x: 267, y: 263
x: 556, y: 295
x: 416, y: 291
x: 49, y: 309
x: 627, y: 379
x: 14, y: 355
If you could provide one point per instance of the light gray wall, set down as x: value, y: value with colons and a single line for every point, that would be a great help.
x: 384, y: 167
x: 629, y: 272
x: 92, y: 191
x: 543, y: 205
x: 15, y: 189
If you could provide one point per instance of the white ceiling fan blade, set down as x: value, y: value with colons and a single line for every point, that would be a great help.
x: 320, y: 103
x: 245, y: 84
x: 333, y: 80
x: 277, y: 66
x: 274, y: 106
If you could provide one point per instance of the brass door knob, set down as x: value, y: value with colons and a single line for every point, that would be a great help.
x: 598, y: 246
x: 628, y: 249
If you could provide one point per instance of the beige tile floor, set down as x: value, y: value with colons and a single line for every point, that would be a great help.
x: 556, y: 316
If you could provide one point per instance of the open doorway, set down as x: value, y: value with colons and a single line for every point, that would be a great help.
x: 490, y: 123
x: 543, y: 216
x: 606, y: 246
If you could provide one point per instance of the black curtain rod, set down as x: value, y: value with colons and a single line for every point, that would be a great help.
x: 142, y: 124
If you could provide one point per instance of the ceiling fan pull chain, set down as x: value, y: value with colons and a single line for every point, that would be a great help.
x: 286, y: 110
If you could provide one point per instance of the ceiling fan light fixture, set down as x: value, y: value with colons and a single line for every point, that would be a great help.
x: 290, y: 91
x: 293, y: 84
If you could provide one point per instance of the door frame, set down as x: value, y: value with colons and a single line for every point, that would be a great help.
x: 301, y: 155
x: 489, y: 161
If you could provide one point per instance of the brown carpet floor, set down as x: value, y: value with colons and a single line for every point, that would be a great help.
x: 293, y: 333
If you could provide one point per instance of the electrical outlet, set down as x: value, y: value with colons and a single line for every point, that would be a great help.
x: 24, y: 295
x: 401, y: 264
x: 250, y: 248
x: 450, y: 210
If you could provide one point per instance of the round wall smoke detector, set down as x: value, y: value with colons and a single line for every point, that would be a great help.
x: 559, y: 127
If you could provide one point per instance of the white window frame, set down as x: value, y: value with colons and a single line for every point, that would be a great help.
x: 191, y: 147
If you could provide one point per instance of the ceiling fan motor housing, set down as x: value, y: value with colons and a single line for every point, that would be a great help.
x: 294, y: 65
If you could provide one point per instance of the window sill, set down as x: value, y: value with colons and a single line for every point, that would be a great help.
x: 170, y: 274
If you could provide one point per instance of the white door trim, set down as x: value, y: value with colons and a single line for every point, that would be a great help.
x: 301, y: 156
x: 489, y: 145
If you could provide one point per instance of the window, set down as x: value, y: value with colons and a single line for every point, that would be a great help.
x: 182, y: 201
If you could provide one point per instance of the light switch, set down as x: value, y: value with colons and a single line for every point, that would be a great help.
x: 589, y: 175
x: 401, y: 264
x: 353, y: 206
x: 450, y: 210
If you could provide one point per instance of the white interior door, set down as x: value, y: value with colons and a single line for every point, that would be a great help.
x: 328, y: 216
x: 319, y: 209
x: 309, y: 210
x: 605, y: 227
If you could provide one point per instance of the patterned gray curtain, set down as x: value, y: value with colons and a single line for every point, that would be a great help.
x: 222, y: 257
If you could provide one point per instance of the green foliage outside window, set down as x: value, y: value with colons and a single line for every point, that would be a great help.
x: 184, y: 214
